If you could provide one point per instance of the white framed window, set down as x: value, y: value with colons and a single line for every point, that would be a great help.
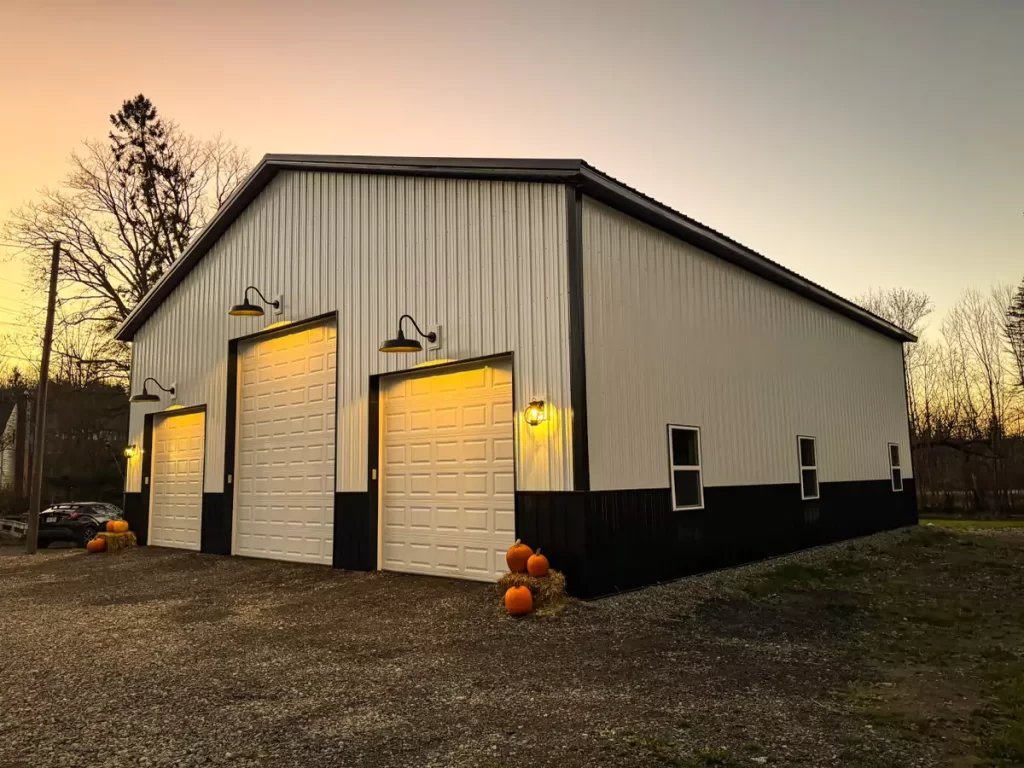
x: 684, y: 467
x: 895, y: 473
x: 807, y: 452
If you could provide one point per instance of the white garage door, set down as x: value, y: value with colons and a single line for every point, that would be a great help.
x: 448, y: 501
x: 284, y: 505
x: 176, y: 506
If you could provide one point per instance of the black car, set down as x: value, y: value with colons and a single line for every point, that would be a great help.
x: 76, y: 521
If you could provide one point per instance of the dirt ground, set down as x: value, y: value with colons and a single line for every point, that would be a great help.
x: 902, y: 649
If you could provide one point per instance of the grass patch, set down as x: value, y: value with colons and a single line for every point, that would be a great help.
x: 1006, y: 712
x: 944, y: 628
x: 958, y: 524
x: 790, y: 577
x: 796, y: 577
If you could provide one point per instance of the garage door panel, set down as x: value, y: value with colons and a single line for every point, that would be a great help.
x: 177, y: 481
x: 285, y: 481
x: 448, y: 485
x: 505, y: 485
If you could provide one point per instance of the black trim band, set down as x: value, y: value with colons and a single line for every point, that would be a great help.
x: 610, y: 541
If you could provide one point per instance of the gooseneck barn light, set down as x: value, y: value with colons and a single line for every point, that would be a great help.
x: 535, y: 413
x: 146, y: 397
x: 402, y: 344
x: 248, y: 309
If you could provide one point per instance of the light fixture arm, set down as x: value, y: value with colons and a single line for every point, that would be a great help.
x: 245, y: 296
x: 431, y: 337
x: 158, y: 384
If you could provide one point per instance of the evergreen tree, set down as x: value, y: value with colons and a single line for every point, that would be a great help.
x: 1014, y: 328
x: 140, y: 146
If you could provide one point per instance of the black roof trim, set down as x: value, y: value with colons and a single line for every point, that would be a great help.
x: 593, y: 182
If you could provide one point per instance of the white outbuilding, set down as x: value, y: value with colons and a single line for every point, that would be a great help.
x: 408, y: 363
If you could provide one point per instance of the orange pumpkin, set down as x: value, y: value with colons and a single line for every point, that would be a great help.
x: 517, y: 556
x: 518, y: 601
x: 538, y: 565
x: 110, y: 526
x: 119, y: 526
x: 96, y: 545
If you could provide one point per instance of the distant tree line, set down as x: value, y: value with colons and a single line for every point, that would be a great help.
x: 86, y: 424
x: 965, y: 391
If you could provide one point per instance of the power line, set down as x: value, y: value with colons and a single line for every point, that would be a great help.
x: 22, y: 246
x: 21, y: 312
x: 17, y: 357
x: 22, y: 285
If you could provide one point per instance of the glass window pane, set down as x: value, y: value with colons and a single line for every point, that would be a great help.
x: 897, y: 480
x: 807, y: 452
x: 687, y: 487
x: 684, y: 448
x: 810, y: 482
x: 894, y: 455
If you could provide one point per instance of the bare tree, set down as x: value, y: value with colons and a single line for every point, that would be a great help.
x: 125, y: 213
x: 975, y: 326
x: 966, y: 396
x: 84, y: 355
x: 906, y: 308
x: 903, y: 307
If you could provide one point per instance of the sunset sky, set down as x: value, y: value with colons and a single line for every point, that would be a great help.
x: 867, y: 143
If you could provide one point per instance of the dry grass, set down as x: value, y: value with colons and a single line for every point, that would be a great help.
x: 118, y: 541
x: 548, y: 592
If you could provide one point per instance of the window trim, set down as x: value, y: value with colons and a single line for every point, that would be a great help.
x: 801, y: 467
x: 672, y: 466
x: 897, y: 467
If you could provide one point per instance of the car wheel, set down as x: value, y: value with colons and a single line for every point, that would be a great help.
x: 88, y: 534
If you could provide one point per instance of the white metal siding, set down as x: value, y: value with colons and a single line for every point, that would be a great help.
x: 676, y: 335
x: 485, y: 259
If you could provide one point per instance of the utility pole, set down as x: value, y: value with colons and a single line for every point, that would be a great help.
x: 32, y: 535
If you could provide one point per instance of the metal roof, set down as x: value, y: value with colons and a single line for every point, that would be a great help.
x: 577, y: 173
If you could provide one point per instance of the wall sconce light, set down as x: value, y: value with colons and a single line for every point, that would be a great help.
x: 130, y: 451
x: 248, y: 309
x: 535, y: 413
x: 146, y: 397
x: 402, y: 344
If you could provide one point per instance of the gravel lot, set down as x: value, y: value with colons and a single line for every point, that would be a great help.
x: 161, y: 658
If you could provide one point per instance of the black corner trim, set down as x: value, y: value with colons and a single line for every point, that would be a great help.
x: 215, y: 531
x: 136, y: 512
x: 577, y: 341
x: 368, y: 558
x: 147, y: 471
x: 227, y: 502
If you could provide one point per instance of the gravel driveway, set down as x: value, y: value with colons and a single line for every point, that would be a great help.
x: 157, y: 657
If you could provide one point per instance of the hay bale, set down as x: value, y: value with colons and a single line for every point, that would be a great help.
x: 118, y: 541
x: 548, y: 591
